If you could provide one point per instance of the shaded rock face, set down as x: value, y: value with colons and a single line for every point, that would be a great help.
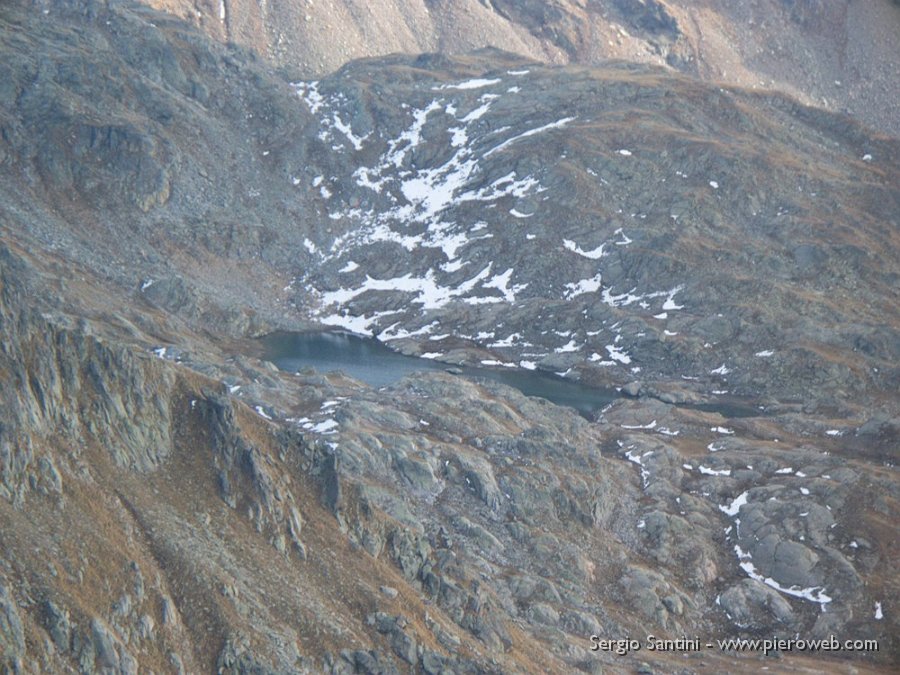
x: 12, y: 634
x: 68, y: 385
x: 95, y: 156
x: 651, y: 16
x: 169, y: 502
x: 833, y: 54
x: 753, y: 604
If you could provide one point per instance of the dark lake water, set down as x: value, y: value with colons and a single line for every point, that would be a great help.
x: 372, y: 362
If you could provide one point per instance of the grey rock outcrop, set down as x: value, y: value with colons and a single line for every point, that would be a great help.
x: 12, y: 633
x: 753, y: 605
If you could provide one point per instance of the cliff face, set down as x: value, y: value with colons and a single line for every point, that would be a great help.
x: 170, y: 502
x: 833, y: 54
x: 146, y: 522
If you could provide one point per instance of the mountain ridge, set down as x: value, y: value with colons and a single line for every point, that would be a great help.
x: 839, y: 55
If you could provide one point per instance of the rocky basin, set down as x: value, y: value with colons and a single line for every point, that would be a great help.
x: 172, y: 501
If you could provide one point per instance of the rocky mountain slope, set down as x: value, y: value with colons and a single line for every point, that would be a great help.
x: 171, y: 502
x: 841, y: 55
x: 596, y: 224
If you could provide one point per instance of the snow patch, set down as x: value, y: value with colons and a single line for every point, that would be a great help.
x: 813, y: 594
x: 631, y: 456
x: 531, y: 132
x: 616, y: 354
x: 571, y: 346
x: 669, y: 304
x: 476, y: 83
x: 501, y: 283
x: 328, y: 426
x: 593, y: 254
x: 309, y: 92
x: 651, y: 425
x: 345, y: 129
x: 734, y: 507
x: 714, y: 472
x: 582, y: 287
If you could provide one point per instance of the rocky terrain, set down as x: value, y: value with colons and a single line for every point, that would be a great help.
x: 839, y: 54
x: 171, y: 502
